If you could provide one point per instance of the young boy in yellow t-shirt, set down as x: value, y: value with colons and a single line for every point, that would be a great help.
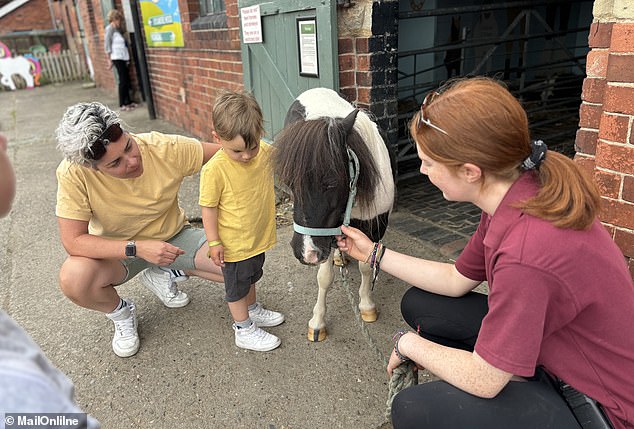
x: 237, y: 199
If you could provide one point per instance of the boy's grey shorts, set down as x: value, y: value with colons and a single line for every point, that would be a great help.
x: 239, y: 276
x: 189, y: 239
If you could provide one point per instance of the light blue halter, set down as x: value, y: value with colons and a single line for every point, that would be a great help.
x: 353, y: 168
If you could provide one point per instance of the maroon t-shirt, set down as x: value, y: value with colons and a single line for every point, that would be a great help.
x: 560, y: 298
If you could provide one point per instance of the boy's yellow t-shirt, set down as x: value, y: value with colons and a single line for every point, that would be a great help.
x: 245, y: 197
x: 143, y: 208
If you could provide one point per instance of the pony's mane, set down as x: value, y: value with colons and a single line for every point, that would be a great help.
x: 309, y: 152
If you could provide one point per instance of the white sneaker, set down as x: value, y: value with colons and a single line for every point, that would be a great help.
x: 265, y: 318
x: 255, y: 338
x: 177, y: 275
x: 125, y: 342
x: 162, y: 283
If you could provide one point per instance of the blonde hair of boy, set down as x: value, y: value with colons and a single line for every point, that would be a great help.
x: 238, y: 114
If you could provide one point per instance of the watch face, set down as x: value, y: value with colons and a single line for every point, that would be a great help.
x: 130, y: 249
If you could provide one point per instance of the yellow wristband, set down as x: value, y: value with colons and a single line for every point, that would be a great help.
x: 215, y: 243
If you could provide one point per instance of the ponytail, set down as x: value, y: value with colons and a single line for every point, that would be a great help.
x: 567, y: 197
x: 478, y: 120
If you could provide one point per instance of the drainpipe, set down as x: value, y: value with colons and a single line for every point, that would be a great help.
x: 142, y: 63
x: 52, y: 12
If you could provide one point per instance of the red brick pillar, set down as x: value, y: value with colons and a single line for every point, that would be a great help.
x: 605, y: 140
x: 367, y: 60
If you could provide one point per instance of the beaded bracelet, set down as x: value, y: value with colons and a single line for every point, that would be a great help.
x: 377, y: 255
x: 396, y: 338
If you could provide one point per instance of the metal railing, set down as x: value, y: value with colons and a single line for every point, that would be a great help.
x: 544, y: 67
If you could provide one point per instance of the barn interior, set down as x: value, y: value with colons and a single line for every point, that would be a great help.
x: 538, y: 48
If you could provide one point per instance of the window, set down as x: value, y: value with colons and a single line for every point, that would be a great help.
x: 209, y: 7
x: 212, y: 15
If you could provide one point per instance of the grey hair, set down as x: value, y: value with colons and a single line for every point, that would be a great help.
x: 80, y: 126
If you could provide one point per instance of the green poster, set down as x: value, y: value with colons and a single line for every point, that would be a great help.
x: 162, y: 23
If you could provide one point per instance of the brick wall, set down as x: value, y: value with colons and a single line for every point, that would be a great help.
x: 94, y: 30
x: 605, y: 140
x: 368, y: 64
x: 185, y: 81
x: 66, y: 16
x: 94, y: 25
x: 33, y: 15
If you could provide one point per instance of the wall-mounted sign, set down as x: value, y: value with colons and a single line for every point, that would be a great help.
x: 162, y: 23
x: 251, y: 24
x: 307, y: 44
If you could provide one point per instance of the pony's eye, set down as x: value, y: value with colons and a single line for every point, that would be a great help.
x: 329, y: 184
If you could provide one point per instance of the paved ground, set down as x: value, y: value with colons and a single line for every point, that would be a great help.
x: 188, y: 373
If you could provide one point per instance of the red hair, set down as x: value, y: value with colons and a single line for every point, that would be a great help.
x: 487, y: 126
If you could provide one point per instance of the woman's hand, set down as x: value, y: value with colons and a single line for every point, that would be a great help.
x: 354, y: 243
x: 158, y: 252
x: 395, y: 360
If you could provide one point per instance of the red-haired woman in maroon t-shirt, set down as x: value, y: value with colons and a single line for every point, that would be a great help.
x: 560, y: 305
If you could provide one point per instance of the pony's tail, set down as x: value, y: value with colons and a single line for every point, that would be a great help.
x: 568, y: 198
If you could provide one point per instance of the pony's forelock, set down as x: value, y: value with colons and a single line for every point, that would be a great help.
x: 306, y: 152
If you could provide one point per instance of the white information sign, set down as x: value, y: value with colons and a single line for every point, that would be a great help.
x: 251, y: 24
x: 307, y: 41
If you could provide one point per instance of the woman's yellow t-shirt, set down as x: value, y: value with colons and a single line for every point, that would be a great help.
x: 143, y: 208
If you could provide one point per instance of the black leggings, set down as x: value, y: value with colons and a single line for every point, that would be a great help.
x: 124, y: 82
x: 455, y: 322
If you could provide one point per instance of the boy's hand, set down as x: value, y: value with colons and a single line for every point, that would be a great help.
x: 217, y: 254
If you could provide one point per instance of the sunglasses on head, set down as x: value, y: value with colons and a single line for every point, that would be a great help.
x: 421, y: 115
x: 97, y: 149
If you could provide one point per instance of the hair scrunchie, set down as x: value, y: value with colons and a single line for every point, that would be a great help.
x: 537, y: 156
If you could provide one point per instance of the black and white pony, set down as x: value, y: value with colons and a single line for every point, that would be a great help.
x: 337, y: 166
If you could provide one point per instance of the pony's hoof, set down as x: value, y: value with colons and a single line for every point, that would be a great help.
x: 316, y: 335
x: 369, y: 315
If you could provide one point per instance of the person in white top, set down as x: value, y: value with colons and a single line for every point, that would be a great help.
x: 116, y: 49
x: 29, y: 382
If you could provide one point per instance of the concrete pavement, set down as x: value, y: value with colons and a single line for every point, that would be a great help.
x: 188, y: 372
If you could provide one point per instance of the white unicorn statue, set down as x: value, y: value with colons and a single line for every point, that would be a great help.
x: 10, y: 66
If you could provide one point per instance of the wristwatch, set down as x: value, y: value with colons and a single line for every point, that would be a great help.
x: 130, y: 249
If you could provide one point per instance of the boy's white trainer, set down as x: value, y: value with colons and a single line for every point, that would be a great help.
x: 265, y: 318
x: 255, y: 338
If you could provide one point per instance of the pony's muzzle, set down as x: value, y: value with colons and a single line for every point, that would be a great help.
x: 306, y: 251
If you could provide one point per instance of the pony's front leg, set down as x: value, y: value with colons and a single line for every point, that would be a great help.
x: 367, y: 307
x: 325, y: 278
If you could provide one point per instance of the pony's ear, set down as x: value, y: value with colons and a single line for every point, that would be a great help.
x: 348, y: 121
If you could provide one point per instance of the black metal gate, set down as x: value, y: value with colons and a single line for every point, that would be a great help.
x: 538, y: 48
